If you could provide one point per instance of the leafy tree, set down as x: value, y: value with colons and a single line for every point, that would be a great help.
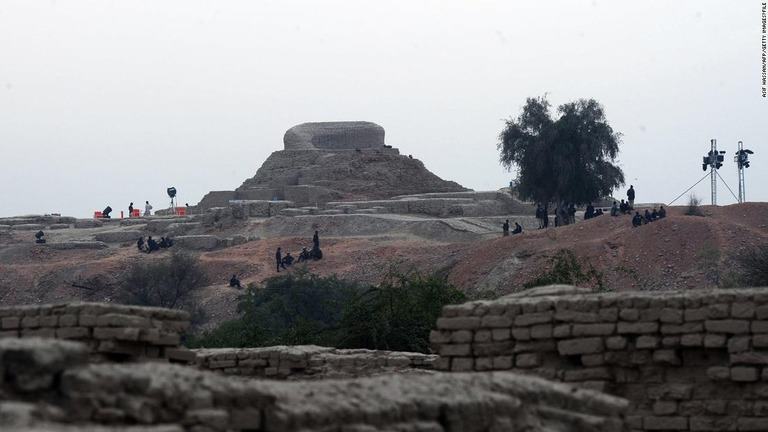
x: 569, y: 159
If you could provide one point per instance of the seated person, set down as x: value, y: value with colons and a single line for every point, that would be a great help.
x: 235, y: 282
x: 615, y: 209
x: 140, y: 244
x: 637, y: 220
x: 105, y: 213
x: 623, y: 207
x: 287, y: 259
x: 304, y: 255
x: 163, y: 243
x: 518, y: 229
x: 589, y: 212
x: 152, y: 245
x: 654, y: 214
x: 647, y: 216
x: 316, y: 253
x: 662, y: 212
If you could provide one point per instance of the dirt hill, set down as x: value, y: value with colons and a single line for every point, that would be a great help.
x: 679, y: 252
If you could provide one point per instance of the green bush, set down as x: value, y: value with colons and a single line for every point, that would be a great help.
x: 302, y: 308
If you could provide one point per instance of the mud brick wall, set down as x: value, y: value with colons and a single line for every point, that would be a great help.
x: 310, y: 362
x: 111, y: 331
x: 48, y: 385
x: 688, y: 361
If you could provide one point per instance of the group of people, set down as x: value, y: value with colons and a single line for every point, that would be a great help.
x: 315, y: 254
x: 648, y: 216
x: 505, y: 228
x: 147, y: 209
x: 152, y: 244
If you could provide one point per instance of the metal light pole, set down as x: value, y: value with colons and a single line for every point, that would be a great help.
x: 742, y: 161
x: 714, y: 160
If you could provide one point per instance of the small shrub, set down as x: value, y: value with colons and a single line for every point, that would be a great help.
x: 566, y: 269
x: 693, y: 208
x: 751, y: 267
x: 169, y: 282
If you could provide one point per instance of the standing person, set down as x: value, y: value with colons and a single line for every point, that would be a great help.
x: 130, y: 210
x: 545, y: 217
x: 540, y: 216
x: 148, y: 209
x: 631, y: 197
x: 505, y: 227
x: 279, y: 259
x: 316, y: 240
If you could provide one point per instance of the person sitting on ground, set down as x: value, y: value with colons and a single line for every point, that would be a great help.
x: 163, y: 243
x: 637, y: 220
x: 518, y: 229
x: 615, y: 209
x: 140, y: 244
x: 598, y: 212
x: 235, y: 282
x: 316, y: 253
x: 654, y: 214
x: 623, y: 207
x: 288, y: 259
x: 589, y: 212
x: 152, y: 245
x: 662, y: 212
x: 303, y: 255
x: 169, y: 240
x: 105, y: 213
x: 647, y: 216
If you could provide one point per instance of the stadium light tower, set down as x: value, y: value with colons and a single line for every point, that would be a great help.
x: 742, y: 161
x: 713, y: 160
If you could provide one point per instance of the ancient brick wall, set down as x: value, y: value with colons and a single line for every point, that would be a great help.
x: 687, y: 361
x: 310, y: 362
x: 110, y: 331
x: 48, y: 385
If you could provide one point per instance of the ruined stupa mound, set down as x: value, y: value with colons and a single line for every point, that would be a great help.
x: 332, y: 161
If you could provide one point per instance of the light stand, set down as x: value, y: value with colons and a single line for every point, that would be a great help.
x: 172, y: 194
x: 742, y: 161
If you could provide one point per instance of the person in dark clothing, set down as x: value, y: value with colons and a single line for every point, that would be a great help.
x: 647, y: 216
x: 662, y: 212
x: 304, y: 255
x: 589, y: 212
x: 623, y: 207
x: 637, y: 220
x: 279, y: 259
x: 316, y: 253
x: 654, y: 214
x: 152, y: 245
x: 235, y: 282
x: 571, y: 213
x: 545, y: 217
x: 163, y: 243
x: 130, y: 210
x: 288, y: 259
x: 614, y: 209
x: 140, y: 244
x: 540, y: 216
x: 505, y: 227
x: 316, y: 240
x: 518, y: 229
x: 631, y: 197
x: 105, y: 213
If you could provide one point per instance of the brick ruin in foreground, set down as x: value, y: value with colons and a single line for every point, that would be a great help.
x: 692, y: 361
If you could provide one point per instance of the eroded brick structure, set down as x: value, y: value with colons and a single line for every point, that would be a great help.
x: 687, y: 361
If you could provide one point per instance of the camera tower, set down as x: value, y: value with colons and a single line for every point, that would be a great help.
x: 742, y: 161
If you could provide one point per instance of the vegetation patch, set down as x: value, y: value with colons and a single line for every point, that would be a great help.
x: 566, y: 269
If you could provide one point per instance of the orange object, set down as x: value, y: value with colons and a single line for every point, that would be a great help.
x: 136, y: 213
x: 97, y: 215
x: 181, y: 211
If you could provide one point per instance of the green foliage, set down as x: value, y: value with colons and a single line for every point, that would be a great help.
x: 693, y: 208
x: 302, y: 308
x: 167, y: 282
x: 567, y: 159
x: 566, y: 269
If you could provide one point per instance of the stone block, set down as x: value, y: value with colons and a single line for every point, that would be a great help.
x: 533, y: 318
x: 73, y: 333
x: 122, y: 320
x: 630, y: 315
x: 743, y: 310
x: 47, y: 332
x: 461, y: 350
x: 30, y: 322
x: 647, y: 342
x: 689, y: 327
x: 561, y: 331
x: 730, y: 326
x: 462, y: 336
x: 694, y: 315
x: 528, y: 360
x: 592, y: 345
x: 462, y: 364
x: 87, y: 320
x: 11, y: 323
x: 458, y: 323
x: 692, y: 340
x: 496, y: 321
x: 739, y: 344
x: 501, y: 334
x: 666, y: 356
x: 580, y: 330
x: 664, y: 408
x: 588, y: 374
x: 521, y: 333
x: 591, y: 360
x: 759, y: 326
x: 503, y: 362
x: 671, y: 316
x: 745, y: 374
x: 718, y: 311
x: 637, y: 327
x: 615, y: 343
x: 541, y: 331
x: 483, y: 364
x: 715, y: 340
x: 670, y: 391
x: 244, y: 419
x: 719, y: 373
x: 67, y: 320
x: 760, y: 341
x: 752, y: 424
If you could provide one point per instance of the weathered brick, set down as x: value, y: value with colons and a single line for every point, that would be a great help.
x: 670, y: 391
x: 605, y: 329
x: 495, y: 321
x: 692, y: 340
x: 727, y: 326
x: 521, y: 333
x: 461, y: 350
x: 667, y: 356
x: 750, y: 357
x: 122, y: 320
x: 629, y: 315
x: 503, y: 362
x: 745, y: 373
x: 665, y: 423
x: 462, y: 336
x: 637, y: 327
x: 592, y: 345
x: 761, y: 312
x: 689, y: 327
x: 11, y: 323
x: 30, y: 322
x: 671, y: 316
x: 501, y: 334
x: 533, y: 318
x: 483, y: 364
x: 739, y: 344
x: 439, y: 337
x: 561, y: 331
x: 67, y: 320
x: 119, y: 333
x: 693, y: 315
x: 73, y: 332
x: 492, y: 348
x: 616, y: 342
x: 744, y: 310
x: 719, y: 373
x: 647, y: 342
x: 87, y: 320
x: 760, y: 341
x: 588, y: 374
x: 541, y: 331
x: 528, y: 360
x: 718, y: 311
x: 458, y: 323
x: 759, y: 326
x: 664, y: 408
x: 752, y: 424
x: 482, y: 336
x: 49, y: 321
x: 608, y: 314
x: 462, y: 364
x: 46, y: 332
x: 590, y: 360
x: 715, y: 340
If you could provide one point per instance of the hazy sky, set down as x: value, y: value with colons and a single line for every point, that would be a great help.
x: 107, y: 102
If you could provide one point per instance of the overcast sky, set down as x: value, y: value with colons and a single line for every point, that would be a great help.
x: 107, y: 102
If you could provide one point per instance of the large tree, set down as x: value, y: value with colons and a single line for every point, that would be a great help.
x: 568, y: 159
